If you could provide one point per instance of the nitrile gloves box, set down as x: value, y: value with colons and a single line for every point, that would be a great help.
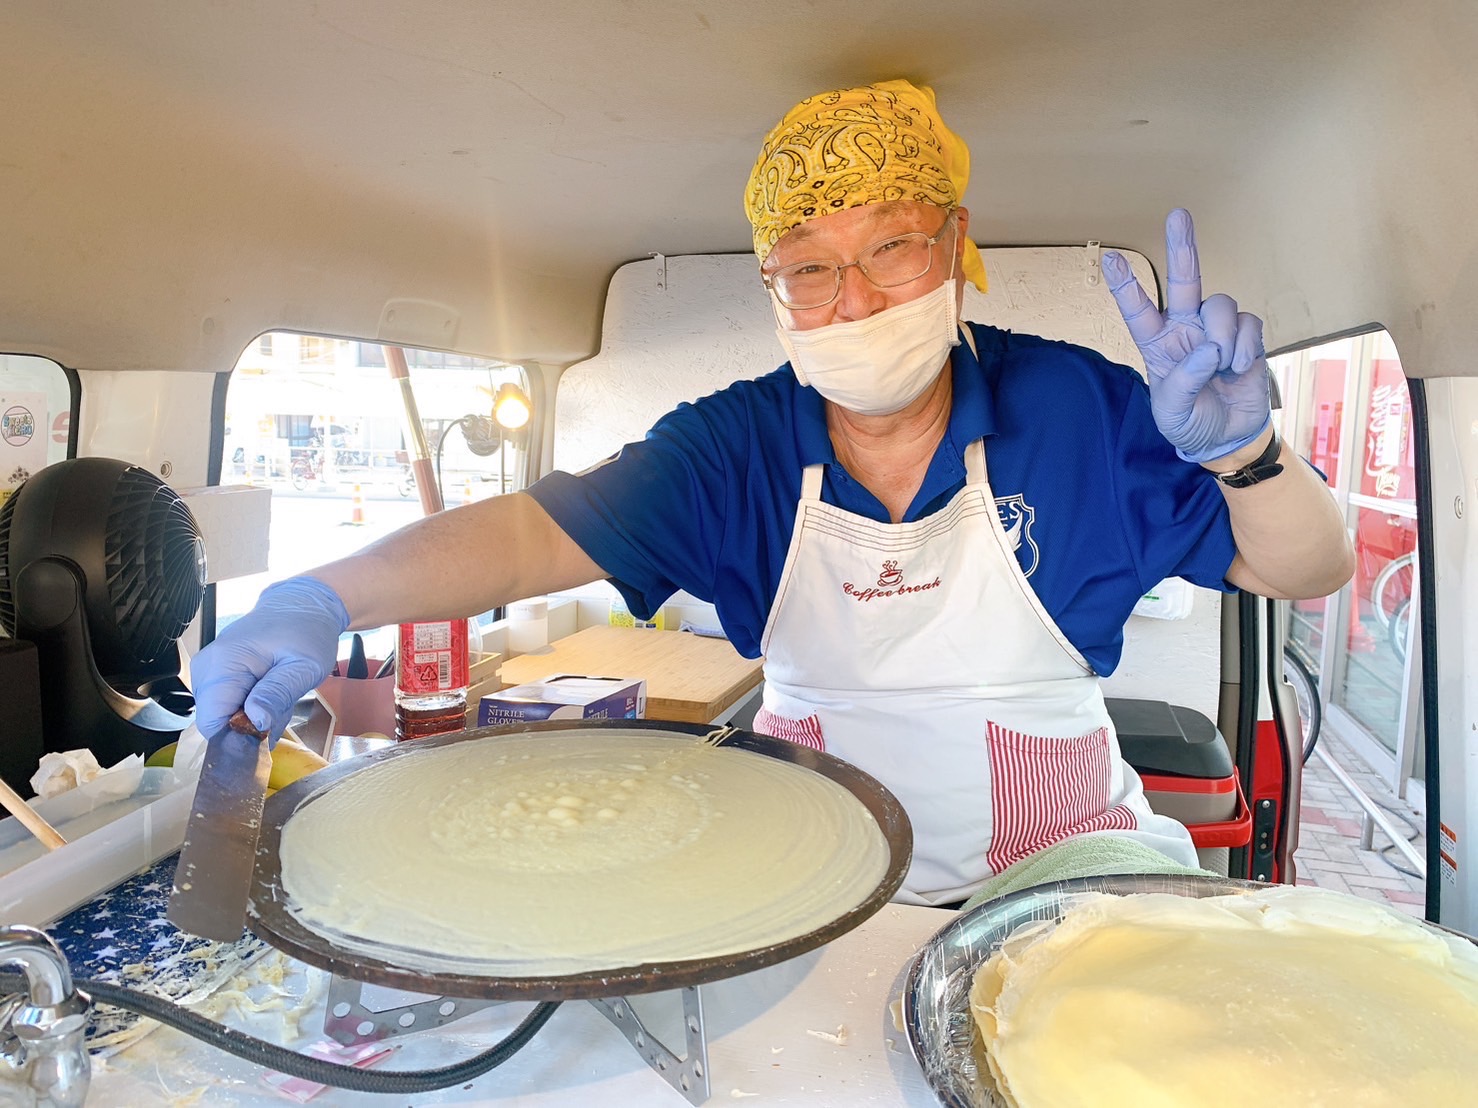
x: 565, y: 696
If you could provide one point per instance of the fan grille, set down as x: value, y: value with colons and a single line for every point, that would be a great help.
x: 154, y: 564
x: 7, y: 590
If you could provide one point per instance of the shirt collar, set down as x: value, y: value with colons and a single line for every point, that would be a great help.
x: 972, y: 402
x: 972, y: 412
x: 810, y: 426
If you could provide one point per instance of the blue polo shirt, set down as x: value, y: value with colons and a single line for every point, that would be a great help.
x: 707, y: 501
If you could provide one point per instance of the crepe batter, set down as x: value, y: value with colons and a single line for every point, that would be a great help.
x: 541, y: 855
x: 1283, y: 996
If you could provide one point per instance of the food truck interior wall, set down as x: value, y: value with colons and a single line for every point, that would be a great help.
x: 185, y: 177
x: 465, y: 176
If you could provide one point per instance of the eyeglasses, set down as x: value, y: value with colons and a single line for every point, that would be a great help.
x: 890, y: 262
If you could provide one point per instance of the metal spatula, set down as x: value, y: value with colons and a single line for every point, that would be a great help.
x: 215, y: 867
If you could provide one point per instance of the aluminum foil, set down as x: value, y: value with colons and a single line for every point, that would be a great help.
x: 936, y: 994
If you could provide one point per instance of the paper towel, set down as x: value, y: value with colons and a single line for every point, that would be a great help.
x: 62, y: 772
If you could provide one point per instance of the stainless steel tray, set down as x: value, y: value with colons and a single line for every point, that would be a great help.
x: 268, y: 915
x: 936, y: 994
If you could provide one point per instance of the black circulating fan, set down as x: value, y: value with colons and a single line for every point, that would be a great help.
x: 102, y: 567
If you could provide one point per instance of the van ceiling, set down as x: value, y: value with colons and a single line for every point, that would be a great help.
x: 462, y: 174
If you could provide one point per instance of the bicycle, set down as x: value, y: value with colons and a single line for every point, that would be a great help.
x: 306, y: 467
x: 405, y: 481
x: 1392, y: 616
x: 1310, y: 711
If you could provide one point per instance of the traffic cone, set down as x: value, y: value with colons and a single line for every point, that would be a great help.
x: 467, y: 491
x: 356, y: 511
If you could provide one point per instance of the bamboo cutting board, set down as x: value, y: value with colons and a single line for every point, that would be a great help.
x: 689, y: 677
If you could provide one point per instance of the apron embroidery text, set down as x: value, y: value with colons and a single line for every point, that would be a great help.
x: 890, y: 583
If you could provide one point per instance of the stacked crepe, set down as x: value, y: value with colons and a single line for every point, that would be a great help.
x: 1282, y: 996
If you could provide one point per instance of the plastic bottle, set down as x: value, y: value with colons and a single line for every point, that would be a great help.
x: 431, y: 677
x: 622, y: 616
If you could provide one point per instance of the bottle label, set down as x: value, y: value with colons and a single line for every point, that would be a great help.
x: 622, y: 616
x: 432, y: 657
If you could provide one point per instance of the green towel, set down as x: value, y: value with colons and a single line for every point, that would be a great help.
x: 1084, y: 856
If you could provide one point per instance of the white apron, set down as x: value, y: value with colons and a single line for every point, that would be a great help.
x: 919, y: 653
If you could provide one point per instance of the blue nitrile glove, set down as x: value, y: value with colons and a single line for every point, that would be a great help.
x: 271, y: 657
x: 1207, y: 367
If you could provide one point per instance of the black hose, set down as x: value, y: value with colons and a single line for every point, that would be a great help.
x: 440, y: 443
x: 271, y: 1056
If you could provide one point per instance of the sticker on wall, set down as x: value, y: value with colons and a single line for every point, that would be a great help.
x: 1447, y: 853
x: 23, y: 426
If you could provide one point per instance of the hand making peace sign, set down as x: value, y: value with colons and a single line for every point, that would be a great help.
x: 1208, y: 372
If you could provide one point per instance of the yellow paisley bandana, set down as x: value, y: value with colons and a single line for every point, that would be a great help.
x: 857, y: 146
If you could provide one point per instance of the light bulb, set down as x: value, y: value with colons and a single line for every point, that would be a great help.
x: 511, y: 408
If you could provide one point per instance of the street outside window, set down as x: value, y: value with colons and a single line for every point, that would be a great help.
x: 321, y: 423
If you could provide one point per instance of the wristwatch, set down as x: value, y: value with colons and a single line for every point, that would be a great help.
x: 1262, y: 467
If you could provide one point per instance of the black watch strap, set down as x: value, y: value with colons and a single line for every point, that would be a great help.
x: 1262, y: 467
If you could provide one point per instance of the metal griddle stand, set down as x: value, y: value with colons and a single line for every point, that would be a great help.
x: 350, y: 1021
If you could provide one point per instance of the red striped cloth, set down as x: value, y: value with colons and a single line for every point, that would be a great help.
x: 1044, y: 790
x: 805, y: 732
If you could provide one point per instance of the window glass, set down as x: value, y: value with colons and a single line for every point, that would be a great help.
x: 1312, y: 383
x: 35, y: 417
x: 1348, y: 410
x: 321, y: 423
x: 1372, y: 679
x: 1306, y: 620
x: 1319, y: 442
x: 1389, y: 466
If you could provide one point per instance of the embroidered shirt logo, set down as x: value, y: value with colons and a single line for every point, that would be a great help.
x: 1016, y: 520
x: 890, y: 578
x: 890, y: 583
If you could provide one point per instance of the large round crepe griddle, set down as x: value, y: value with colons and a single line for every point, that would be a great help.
x: 269, y: 917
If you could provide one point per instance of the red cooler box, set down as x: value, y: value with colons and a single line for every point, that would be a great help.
x: 1186, y: 767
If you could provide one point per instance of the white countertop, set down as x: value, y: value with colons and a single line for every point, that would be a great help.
x: 772, y: 1039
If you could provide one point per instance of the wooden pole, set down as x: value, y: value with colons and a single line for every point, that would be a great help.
x: 420, y: 454
x: 17, y: 806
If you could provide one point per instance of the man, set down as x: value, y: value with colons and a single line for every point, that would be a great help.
x: 933, y: 533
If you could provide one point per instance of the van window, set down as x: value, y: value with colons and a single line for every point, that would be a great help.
x: 1347, y: 409
x: 37, y: 401
x: 320, y: 422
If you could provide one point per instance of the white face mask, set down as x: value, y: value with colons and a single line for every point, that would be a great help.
x: 881, y: 364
